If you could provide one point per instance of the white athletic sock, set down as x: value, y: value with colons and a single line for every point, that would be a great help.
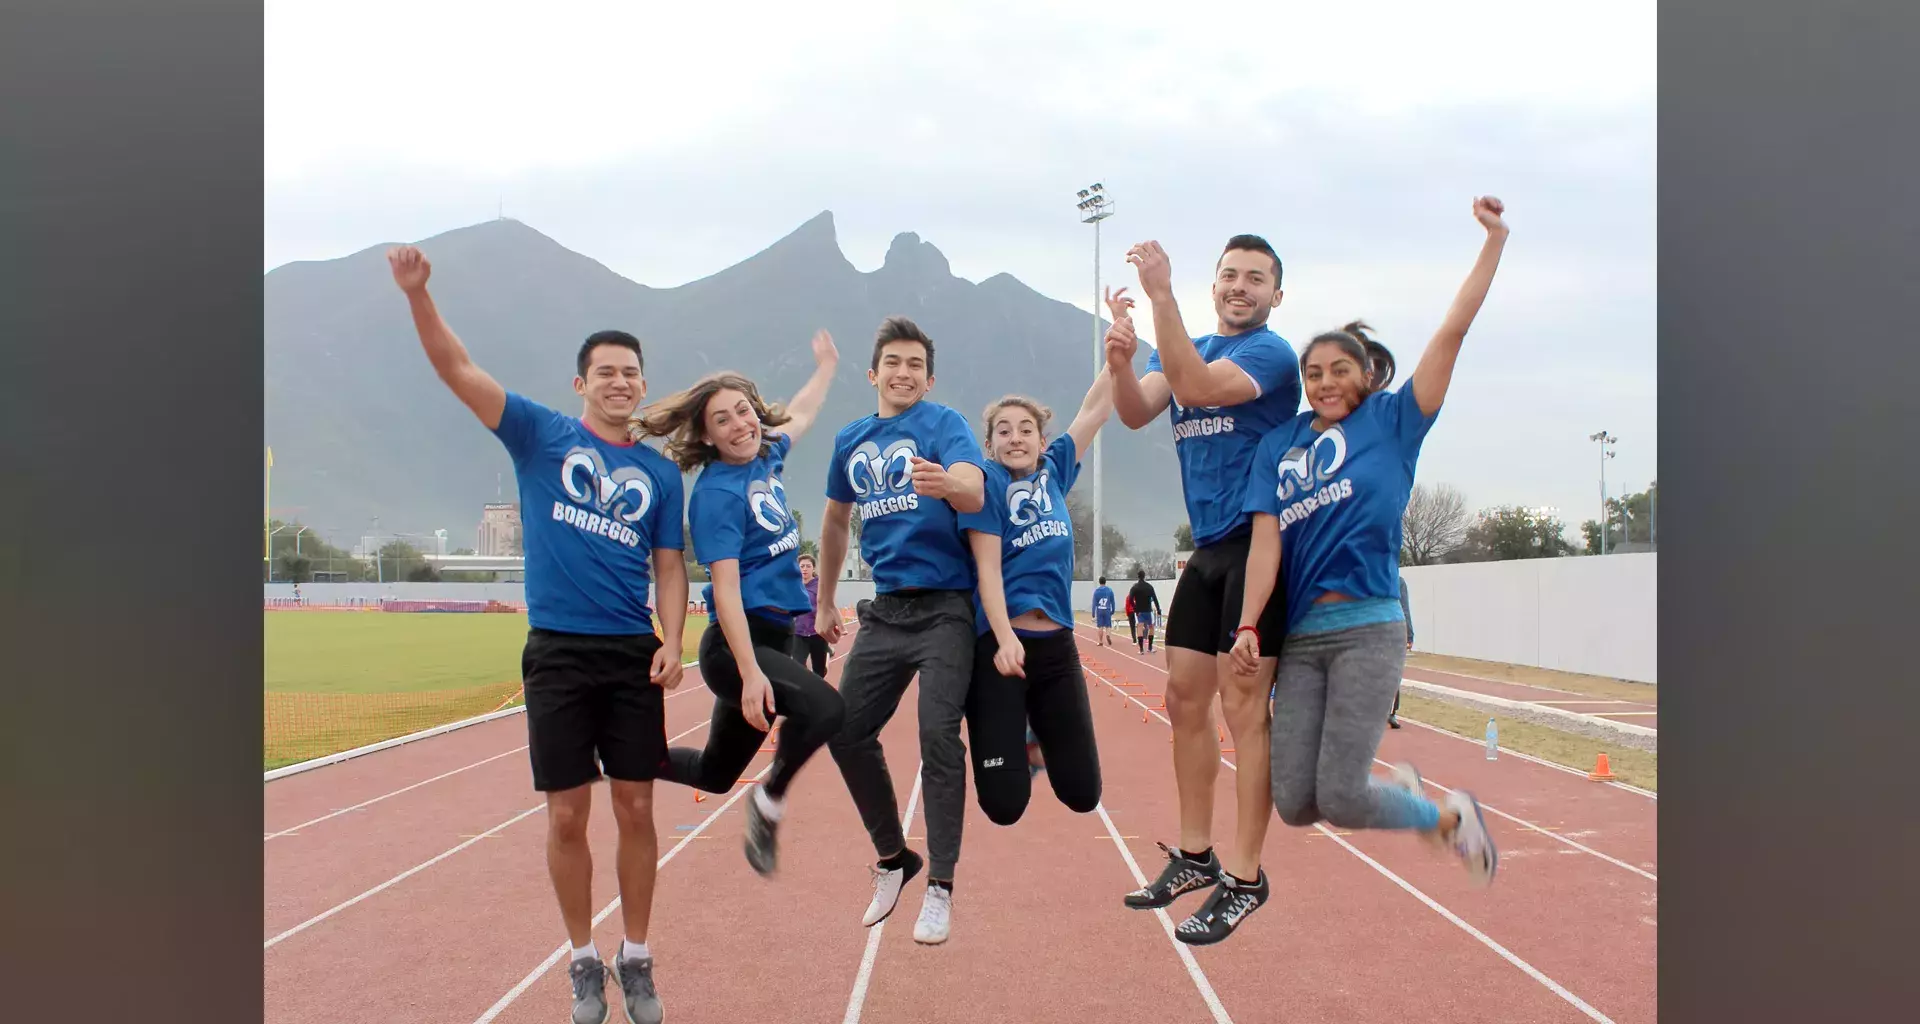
x: 631, y: 950
x: 586, y: 952
x: 768, y: 805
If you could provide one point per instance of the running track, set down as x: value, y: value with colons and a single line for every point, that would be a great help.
x: 428, y: 900
x: 1628, y: 711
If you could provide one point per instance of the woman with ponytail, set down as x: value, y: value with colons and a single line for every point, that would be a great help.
x: 1328, y: 490
x: 744, y: 534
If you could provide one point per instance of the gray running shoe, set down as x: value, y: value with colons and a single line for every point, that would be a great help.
x: 589, y: 979
x: 762, y: 838
x: 637, y: 994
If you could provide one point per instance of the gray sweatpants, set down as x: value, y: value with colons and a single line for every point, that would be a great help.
x: 1330, y: 706
x: 930, y: 633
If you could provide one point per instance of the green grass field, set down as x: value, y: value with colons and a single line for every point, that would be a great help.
x: 339, y: 680
x: 376, y: 652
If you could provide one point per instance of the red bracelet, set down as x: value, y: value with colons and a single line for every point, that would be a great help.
x: 1247, y: 629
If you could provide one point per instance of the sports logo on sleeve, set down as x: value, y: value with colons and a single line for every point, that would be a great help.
x: 883, y: 479
x: 1307, y: 477
x: 604, y: 503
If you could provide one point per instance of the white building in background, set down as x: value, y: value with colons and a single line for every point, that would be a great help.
x: 499, y: 532
x: 852, y: 568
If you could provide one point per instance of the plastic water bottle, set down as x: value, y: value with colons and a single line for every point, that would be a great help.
x: 1493, y: 740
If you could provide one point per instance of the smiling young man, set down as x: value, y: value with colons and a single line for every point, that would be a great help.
x: 1227, y: 390
x: 603, y: 515
x: 911, y: 468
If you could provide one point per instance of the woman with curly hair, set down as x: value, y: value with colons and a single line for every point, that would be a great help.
x: 745, y: 536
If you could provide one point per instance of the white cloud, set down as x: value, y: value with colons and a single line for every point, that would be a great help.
x: 669, y: 144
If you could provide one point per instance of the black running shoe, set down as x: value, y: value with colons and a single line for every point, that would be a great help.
x: 1229, y: 905
x: 1180, y: 877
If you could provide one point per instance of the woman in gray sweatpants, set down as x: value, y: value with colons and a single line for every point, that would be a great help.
x: 1327, y: 493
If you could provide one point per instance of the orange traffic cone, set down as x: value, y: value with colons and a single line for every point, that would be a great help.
x: 699, y: 797
x: 1602, y: 772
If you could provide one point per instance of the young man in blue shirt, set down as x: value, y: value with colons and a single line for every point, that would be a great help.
x: 1226, y: 391
x: 910, y: 467
x: 1103, y: 612
x: 602, y: 515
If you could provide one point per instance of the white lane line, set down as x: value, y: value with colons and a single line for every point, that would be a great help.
x: 1508, y: 752
x: 1166, y: 924
x: 327, y: 760
x: 858, y: 998
x: 561, y: 950
x: 1522, y: 822
x: 422, y: 866
x: 1637, y: 791
x: 537, y: 973
x: 1533, y: 972
x: 397, y: 792
x: 1553, y: 986
x: 684, y: 689
x: 397, y: 879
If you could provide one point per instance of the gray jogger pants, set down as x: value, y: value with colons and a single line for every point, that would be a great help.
x: 1330, y: 706
x: 931, y: 633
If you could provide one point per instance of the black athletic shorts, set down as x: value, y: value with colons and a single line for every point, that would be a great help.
x: 592, y: 705
x: 1206, y: 602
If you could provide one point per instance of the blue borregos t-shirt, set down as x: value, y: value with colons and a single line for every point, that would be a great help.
x: 740, y: 512
x: 1339, y: 495
x: 592, y: 511
x: 1103, y: 600
x: 1029, y: 515
x: 1216, y: 444
x: 910, y: 541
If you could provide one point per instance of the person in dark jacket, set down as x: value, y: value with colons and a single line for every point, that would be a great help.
x: 1146, y: 609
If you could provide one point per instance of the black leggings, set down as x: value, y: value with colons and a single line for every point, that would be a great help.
x: 810, y: 706
x: 811, y: 647
x: 1052, y: 700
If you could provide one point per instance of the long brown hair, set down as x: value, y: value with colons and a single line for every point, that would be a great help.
x: 1041, y: 414
x: 681, y: 418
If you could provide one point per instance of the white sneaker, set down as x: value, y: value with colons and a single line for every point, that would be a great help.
x: 936, y: 915
x: 887, y: 886
x: 1471, y: 840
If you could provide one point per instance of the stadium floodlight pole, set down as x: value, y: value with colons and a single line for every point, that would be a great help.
x: 1095, y: 206
x: 1606, y: 452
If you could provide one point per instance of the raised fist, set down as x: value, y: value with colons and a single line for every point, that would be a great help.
x: 1488, y: 210
x: 410, y: 268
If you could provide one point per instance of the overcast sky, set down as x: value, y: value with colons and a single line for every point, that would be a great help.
x: 670, y: 144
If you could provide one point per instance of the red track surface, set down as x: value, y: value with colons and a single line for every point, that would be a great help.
x: 1630, y: 712
x: 1038, y: 930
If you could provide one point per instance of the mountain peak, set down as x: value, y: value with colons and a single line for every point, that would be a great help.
x: 909, y: 255
x: 817, y: 234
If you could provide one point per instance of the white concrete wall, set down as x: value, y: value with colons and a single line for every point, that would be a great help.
x: 1598, y: 616
x: 341, y: 593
